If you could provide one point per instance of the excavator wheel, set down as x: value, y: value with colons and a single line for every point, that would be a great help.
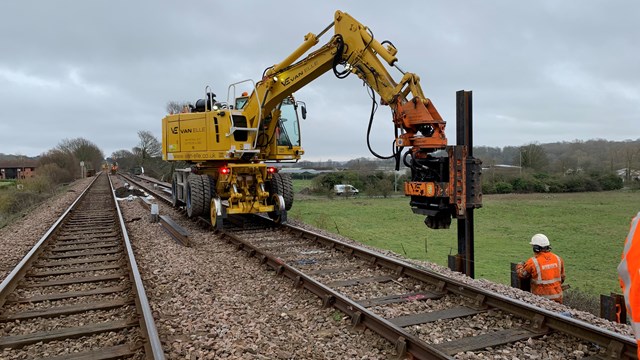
x: 199, y: 190
x: 216, y: 213
x: 281, y: 184
x: 174, y: 192
x: 195, y: 196
x: 209, y: 191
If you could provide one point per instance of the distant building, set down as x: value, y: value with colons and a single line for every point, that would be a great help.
x: 633, y: 174
x: 292, y: 170
x: 17, y: 169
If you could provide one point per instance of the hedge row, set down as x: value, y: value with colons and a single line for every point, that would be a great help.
x: 541, y: 183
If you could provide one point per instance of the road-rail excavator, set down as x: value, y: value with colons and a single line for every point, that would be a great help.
x: 228, y: 145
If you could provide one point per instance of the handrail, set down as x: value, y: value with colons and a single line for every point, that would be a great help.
x: 255, y: 89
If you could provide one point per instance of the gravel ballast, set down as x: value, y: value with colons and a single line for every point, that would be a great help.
x: 211, y: 301
x: 17, y: 238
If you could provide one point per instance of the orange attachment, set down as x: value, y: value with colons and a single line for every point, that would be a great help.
x: 417, y: 113
x: 415, y: 188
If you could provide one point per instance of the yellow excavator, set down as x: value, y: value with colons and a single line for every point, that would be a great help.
x: 228, y: 144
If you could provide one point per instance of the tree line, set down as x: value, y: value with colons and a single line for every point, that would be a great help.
x: 147, y: 155
x: 576, y: 166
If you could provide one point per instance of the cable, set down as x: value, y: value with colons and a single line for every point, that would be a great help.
x: 264, y: 73
x: 388, y: 42
x: 374, y: 108
x: 404, y: 159
x: 337, y: 59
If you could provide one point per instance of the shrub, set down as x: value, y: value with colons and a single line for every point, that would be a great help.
x: 55, y: 173
x: 556, y: 186
x: 528, y: 184
x: 488, y: 188
x: 574, y: 184
x: 521, y: 185
x: 610, y: 182
x: 39, y: 184
x: 20, y: 201
x: 503, y: 188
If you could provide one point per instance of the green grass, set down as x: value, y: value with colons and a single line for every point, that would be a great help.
x: 6, y: 184
x: 301, y: 184
x: 586, y: 229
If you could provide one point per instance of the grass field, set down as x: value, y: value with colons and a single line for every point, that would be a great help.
x: 7, y: 184
x: 586, y: 229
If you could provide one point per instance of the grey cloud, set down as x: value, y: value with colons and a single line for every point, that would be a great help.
x: 540, y: 71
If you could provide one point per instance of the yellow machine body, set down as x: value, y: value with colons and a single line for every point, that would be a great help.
x: 223, y: 135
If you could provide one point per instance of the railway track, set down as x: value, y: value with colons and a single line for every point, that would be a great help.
x: 423, y: 313
x: 78, y: 293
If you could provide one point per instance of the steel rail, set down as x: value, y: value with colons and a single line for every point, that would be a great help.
x: 142, y: 303
x: 158, y: 195
x: 11, y: 281
x: 153, y: 348
x: 616, y: 344
x: 404, y: 341
x: 153, y: 181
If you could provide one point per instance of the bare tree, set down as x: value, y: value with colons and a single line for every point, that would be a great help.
x: 148, y: 147
x: 176, y: 107
x: 125, y: 159
x: 630, y: 152
x: 533, y: 156
x: 64, y: 160
x: 83, y: 150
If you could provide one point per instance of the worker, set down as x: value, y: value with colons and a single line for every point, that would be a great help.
x: 628, y: 270
x: 544, y: 268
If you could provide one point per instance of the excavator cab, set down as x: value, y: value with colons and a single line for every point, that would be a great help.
x: 241, y: 101
x: 288, y: 131
x: 285, y: 142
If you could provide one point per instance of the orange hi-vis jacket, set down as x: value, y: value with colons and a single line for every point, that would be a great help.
x: 629, y: 271
x: 546, y: 271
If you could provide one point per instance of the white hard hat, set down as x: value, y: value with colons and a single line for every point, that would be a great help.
x: 540, y: 240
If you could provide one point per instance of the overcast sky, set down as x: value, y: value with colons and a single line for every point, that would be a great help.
x: 540, y: 71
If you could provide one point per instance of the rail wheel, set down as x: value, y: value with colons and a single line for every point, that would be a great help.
x: 174, y: 192
x: 281, y: 184
x: 195, y: 196
x: 279, y: 215
x: 217, y: 213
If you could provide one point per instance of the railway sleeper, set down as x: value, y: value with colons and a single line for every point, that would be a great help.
x: 19, y: 341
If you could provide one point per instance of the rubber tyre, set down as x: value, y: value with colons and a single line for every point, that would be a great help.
x: 281, y: 184
x: 209, y: 191
x: 195, y: 196
x: 174, y: 195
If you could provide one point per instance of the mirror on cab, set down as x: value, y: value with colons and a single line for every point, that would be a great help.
x: 303, y: 108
